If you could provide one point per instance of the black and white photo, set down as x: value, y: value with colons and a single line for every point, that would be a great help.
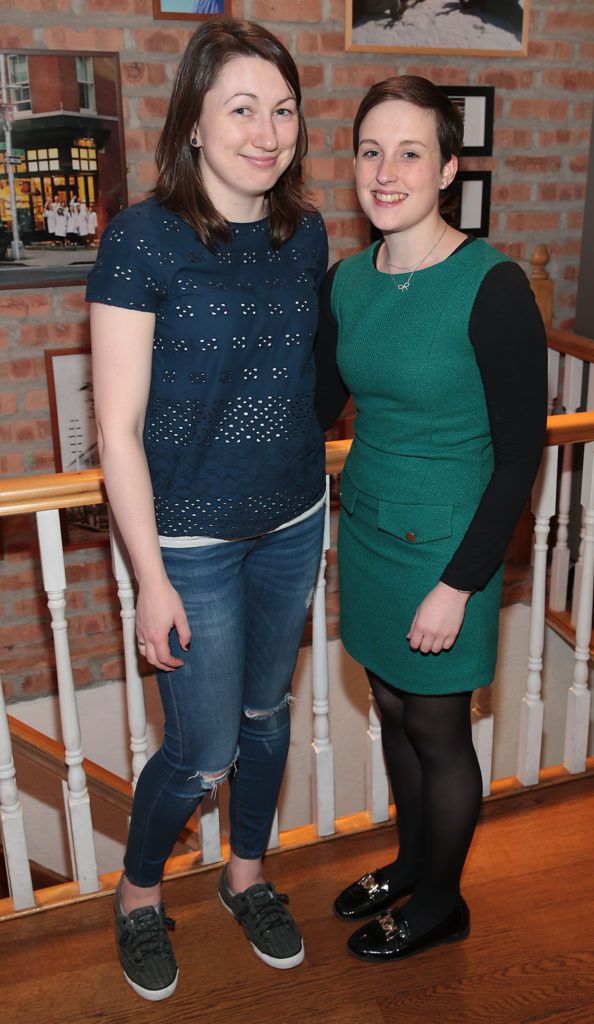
x: 489, y: 28
x: 466, y: 202
x: 476, y: 104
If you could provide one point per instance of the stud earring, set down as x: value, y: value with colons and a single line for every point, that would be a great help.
x: 194, y: 141
x: 444, y: 184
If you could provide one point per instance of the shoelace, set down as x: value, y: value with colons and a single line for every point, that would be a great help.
x: 145, y: 934
x: 267, y: 914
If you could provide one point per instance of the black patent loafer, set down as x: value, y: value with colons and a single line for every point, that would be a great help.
x: 389, y: 938
x: 367, y: 896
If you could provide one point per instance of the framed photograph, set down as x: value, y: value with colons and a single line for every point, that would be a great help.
x: 74, y: 436
x: 486, y: 28
x: 476, y: 103
x: 193, y: 9
x: 467, y: 201
x: 62, y: 163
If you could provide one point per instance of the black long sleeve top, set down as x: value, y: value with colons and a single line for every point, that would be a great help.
x: 509, y: 341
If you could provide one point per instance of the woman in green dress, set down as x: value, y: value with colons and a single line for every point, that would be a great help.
x: 437, y: 336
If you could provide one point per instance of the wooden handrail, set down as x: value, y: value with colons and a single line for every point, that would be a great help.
x: 48, y: 754
x: 336, y: 453
x: 571, y: 344
x: 21, y: 494
x: 51, y: 490
x: 570, y: 428
x: 563, y: 429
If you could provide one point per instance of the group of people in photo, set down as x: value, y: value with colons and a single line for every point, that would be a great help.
x: 71, y: 223
x: 223, y: 348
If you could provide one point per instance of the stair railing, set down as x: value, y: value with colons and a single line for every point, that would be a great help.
x: 50, y: 493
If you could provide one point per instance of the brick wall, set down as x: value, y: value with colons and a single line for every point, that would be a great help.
x: 542, y: 123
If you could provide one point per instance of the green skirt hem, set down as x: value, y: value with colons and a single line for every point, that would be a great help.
x: 430, y: 690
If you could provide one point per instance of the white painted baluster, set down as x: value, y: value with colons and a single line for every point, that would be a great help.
x: 378, y: 799
x: 273, y: 840
x: 210, y: 829
x: 78, y: 806
x: 11, y: 822
x: 577, y: 576
x: 577, y: 579
x: 531, y: 714
x: 553, y: 364
x: 572, y: 386
x: 482, y: 734
x: 122, y: 572
x: 578, y: 701
x: 323, y: 755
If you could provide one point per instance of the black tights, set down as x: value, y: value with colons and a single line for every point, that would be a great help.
x: 437, y: 787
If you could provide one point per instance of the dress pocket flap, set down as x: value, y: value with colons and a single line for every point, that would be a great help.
x: 348, y: 494
x: 416, y: 524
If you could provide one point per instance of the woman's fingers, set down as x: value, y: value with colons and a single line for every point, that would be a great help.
x: 437, y: 620
x: 162, y: 657
x: 158, y: 654
x: 160, y: 610
x: 429, y: 643
x: 184, y: 633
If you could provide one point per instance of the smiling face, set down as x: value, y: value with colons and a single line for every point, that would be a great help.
x: 247, y: 133
x: 398, y: 166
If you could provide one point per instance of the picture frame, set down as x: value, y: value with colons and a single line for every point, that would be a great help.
x: 485, y: 28
x: 74, y: 437
x: 190, y: 10
x: 476, y: 104
x: 466, y: 203
x: 61, y: 148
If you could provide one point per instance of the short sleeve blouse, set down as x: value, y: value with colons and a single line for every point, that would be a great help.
x: 231, y: 436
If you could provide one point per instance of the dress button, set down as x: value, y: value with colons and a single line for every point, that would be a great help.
x: 410, y: 536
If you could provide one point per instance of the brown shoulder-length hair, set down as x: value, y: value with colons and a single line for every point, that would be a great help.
x: 421, y: 93
x: 180, y: 186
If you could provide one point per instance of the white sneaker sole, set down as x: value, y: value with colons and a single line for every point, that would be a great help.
x: 153, y: 995
x: 281, y: 963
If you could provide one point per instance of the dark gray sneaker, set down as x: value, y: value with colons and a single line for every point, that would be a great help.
x: 269, y: 926
x: 145, y: 951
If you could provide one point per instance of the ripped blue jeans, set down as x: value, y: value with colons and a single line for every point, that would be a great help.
x: 227, y: 708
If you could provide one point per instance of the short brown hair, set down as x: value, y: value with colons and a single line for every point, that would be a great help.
x: 421, y: 93
x: 180, y: 186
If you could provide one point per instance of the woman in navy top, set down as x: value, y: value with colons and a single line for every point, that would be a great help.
x: 204, y: 307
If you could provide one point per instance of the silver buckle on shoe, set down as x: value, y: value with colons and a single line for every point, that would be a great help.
x: 389, y: 926
x: 369, y: 883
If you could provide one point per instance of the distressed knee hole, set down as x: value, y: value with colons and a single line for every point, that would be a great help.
x: 261, y: 716
x: 210, y: 781
x: 215, y: 778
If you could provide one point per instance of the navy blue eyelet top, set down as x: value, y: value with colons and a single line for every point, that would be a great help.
x: 232, y: 439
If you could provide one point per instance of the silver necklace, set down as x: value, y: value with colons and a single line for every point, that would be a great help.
x: 405, y: 284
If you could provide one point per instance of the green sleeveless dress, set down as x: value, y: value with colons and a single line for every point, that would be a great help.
x: 420, y: 461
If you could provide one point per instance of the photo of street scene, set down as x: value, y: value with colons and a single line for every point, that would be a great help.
x: 62, y: 173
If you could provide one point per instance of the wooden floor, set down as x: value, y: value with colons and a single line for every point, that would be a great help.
x: 529, y: 959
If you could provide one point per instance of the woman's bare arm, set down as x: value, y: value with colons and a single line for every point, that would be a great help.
x: 122, y: 343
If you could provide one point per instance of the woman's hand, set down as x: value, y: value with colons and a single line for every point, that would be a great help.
x: 158, y: 610
x: 437, y: 620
